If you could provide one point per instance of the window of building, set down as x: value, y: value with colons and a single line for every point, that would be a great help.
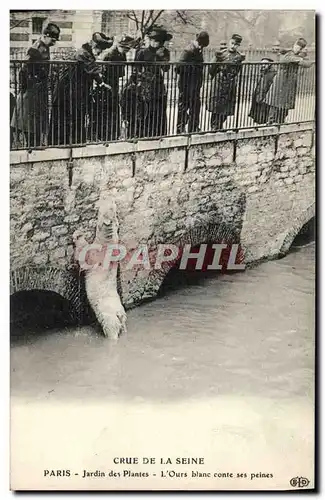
x: 37, y: 25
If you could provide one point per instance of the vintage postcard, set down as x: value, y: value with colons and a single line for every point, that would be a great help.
x: 162, y: 253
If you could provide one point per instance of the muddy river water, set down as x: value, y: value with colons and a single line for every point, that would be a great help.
x: 227, y: 362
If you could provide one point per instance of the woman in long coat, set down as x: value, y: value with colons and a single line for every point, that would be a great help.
x: 72, y: 96
x: 222, y: 99
x: 259, y: 111
x: 283, y: 92
x: 31, y: 114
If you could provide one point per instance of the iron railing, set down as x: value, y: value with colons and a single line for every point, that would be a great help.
x: 252, y: 54
x: 57, y: 103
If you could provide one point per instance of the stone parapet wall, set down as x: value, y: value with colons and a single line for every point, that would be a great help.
x: 257, y: 185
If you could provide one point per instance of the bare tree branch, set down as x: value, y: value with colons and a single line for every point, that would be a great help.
x: 186, y: 19
x: 182, y: 16
x: 249, y: 22
x: 132, y: 15
x: 142, y: 19
x: 15, y: 23
x: 148, y: 19
x: 154, y: 19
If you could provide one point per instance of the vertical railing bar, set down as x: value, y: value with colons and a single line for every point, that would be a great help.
x: 17, y: 93
x: 201, y: 91
x: 237, y: 116
x: 70, y: 105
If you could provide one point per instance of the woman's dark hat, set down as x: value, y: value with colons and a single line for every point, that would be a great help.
x: 203, y: 38
x: 126, y: 42
x: 160, y: 35
x: 101, y: 40
x: 237, y: 38
x: 52, y: 30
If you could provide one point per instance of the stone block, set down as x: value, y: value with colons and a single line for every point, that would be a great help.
x: 59, y: 230
x: 302, y: 151
x: 58, y: 253
x: 27, y: 229
x: 72, y: 218
x: 51, y: 244
x: 263, y: 179
x: 40, y: 236
x: 253, y: 189
x: 40, y: 259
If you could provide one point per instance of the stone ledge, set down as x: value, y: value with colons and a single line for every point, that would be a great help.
x: 143, y: 145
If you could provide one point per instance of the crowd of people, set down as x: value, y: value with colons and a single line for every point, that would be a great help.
x: 89, y: 102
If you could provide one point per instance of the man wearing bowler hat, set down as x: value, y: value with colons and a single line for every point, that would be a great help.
x: 31, y: 113
x: 224, y: 71
x: 190, y: 79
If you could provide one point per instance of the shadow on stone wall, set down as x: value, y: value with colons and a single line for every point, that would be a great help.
x: 303, y: 228
x: 209, y: 234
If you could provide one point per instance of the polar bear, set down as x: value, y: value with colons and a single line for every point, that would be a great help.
x: 101, y: 283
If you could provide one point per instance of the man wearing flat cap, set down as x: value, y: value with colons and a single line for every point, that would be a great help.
x: 282, y: 94
x: 224, y: 72
x: 190, y: 70
x: 72, y: 96
x: 144, y: 103
x: 107, y: 100
x: 30, y: 116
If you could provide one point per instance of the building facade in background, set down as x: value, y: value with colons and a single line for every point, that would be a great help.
x: 76, y: 26
x: 259, y: 29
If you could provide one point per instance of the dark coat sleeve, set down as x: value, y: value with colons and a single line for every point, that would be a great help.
x: 89, y: 66
x: 215, y: 67
x: 121, y: 67
x: 292, y: 58
x: 32, y: 73
x: 163, y: 55
x: 186, y: 57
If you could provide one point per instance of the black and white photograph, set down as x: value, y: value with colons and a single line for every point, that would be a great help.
x: 162, y: 249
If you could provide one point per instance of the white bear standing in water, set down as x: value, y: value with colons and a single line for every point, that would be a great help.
x: 101, y: 282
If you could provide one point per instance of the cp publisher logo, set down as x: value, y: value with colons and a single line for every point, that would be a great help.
x: 299, y: 482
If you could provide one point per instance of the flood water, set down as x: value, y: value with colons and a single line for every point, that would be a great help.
x: 249, y: 333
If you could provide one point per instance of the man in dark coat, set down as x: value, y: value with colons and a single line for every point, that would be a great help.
x: 31, y: 113
x: 190, y: 72
x: 282, y: 94
x: 72, y: 96
x: 106, y: 101
x: 13, y: 101
x: 259, y: 111
x: 222, y: 100
x: 144, y: 102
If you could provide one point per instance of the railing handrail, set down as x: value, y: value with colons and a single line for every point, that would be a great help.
x: 156, y: 63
